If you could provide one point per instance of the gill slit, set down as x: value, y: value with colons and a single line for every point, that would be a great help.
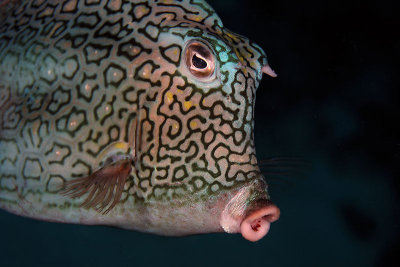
x: 137, y: 140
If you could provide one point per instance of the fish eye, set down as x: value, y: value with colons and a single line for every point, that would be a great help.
x: 199, y: 59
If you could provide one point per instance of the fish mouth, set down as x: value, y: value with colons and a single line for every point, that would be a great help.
x: 258, y: 219
x: 250, y: 212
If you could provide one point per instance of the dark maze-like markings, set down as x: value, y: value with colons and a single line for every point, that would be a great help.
x: 54, y: 153
x: 32, y: 168
x: 103, y: 105
x: 33, y: 52
x: 73, y: 40
x: 97, y: 53
x: 46, y: 13
x: 126, y: 49
x: 173, y: 161
x: 145, y: 8
x: 59, y: 99
x: 64, y: 122
x: 47, y: 70
x: 33, y: 132
x: 141, y: 69
x: 114, y: 75
x: 25, y: 36
x: 149, y: 30
x: 164, y: 52
x: 11, y: 118
x: 113, y: 30
x: 4, y: 179
x: 218, y: 171
x: 88, y: 83
x: 87, y: 20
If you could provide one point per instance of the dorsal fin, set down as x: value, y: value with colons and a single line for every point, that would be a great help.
x: 104, y: 186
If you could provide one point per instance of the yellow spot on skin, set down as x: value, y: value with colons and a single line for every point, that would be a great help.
x: 117, y: 146
x: 242, y: 63
x: 198, y: 18
x: 145, y: 73
x: 175, y: 126
x: 170, y: 97
x: 193, y: 124
x: 188, y: 104
x: 232, y: 36
x: 121, y: 145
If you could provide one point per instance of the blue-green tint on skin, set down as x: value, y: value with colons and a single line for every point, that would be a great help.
x: 121, y: 113
x: 223, y: 56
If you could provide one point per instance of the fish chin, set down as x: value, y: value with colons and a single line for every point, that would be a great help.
x: 249, y: 212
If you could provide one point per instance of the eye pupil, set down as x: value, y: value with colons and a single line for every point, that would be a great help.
x: 198, y: 62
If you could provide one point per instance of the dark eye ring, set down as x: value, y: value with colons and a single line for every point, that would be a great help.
x: 199, y: 59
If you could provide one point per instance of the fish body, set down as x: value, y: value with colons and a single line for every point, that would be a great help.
x: 136, y: 114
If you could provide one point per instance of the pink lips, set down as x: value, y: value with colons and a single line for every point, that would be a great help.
x: 256, y: 225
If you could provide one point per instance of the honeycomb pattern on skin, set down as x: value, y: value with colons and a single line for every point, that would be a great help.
x: 83, y: 81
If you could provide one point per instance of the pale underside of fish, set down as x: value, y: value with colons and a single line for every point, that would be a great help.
x: 135, y: 114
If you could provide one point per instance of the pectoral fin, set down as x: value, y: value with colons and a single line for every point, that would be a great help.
x: 104, y: 187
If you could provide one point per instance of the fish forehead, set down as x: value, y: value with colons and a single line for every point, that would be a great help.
x: 78, y: 77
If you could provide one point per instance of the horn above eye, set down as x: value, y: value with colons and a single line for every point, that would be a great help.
x: 199, y: 59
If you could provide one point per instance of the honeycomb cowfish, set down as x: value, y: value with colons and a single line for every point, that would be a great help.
x: 130, y: 113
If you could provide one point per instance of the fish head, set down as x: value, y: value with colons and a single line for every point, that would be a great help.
x: 199, y: 131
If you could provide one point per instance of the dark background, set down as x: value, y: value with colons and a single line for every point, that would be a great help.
x: 335, y: 104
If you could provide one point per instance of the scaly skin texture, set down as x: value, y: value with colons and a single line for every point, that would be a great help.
x: 85, y: 83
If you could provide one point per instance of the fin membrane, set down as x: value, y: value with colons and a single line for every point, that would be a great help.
x: 284, y: 167
x: 104, y: 187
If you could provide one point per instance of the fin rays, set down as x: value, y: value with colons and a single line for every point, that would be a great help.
x: 277, y: 168
x: 104, y: 186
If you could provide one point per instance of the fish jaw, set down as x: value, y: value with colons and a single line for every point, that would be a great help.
x: 245, y: 209
x: 250, y: 212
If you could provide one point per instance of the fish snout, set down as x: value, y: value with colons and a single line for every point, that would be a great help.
x: 257, y: 222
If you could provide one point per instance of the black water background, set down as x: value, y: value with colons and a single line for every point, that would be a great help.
x: 335, y: 103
